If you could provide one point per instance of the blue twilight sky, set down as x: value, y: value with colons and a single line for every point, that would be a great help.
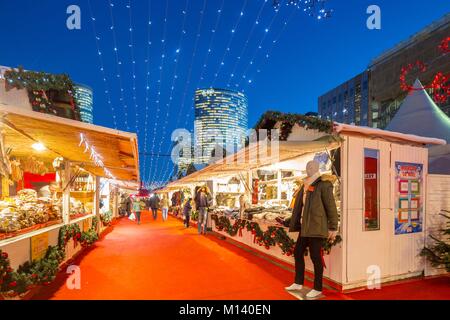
x: 156, y: 76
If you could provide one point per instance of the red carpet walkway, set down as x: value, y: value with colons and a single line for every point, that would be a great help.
x: 163, y: 260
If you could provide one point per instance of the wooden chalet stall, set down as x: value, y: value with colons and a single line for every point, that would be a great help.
x: 380, y: 180
x: 62, y: 170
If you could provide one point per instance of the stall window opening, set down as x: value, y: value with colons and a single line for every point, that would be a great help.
x: 371, y: 189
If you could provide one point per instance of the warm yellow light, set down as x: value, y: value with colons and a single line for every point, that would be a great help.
x: 38, y: 146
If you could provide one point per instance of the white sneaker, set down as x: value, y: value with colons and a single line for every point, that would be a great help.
x: 294, y: 287
x: 313, y: 294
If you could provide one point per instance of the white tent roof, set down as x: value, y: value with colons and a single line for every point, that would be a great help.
x: 419, y: 115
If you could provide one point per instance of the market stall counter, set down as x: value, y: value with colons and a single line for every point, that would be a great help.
x: 51, y: 171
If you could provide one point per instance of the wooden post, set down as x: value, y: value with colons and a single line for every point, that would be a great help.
x: 279, y: 182
x: 66, y: 193
x: 115, y: 202
x: 97, y: 197
x: 250, y: 185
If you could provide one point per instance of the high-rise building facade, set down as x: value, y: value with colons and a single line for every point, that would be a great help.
x: 385, y: 70
x: 84, y: 96
x: 377, y: 92
x: 348, y: 103
x: 221, y: 120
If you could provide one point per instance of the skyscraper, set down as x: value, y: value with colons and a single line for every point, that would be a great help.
x: 348, y: 103
x: 221, y: 120
x: 84, y: 96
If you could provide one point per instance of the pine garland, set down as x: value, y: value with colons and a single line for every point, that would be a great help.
x: 38, y: 84
x: 273, y: 236
x: 288, y: 120
x: 43, y: 271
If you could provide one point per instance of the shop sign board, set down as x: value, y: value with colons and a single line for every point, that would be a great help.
x: 39, y: 245
x: 409, y: 200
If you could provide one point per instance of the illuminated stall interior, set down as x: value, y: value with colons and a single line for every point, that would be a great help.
x: 51, y: 168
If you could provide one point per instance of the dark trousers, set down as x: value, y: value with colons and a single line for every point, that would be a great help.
x: 138, y: 216
x: 155, y: 213
x: 186, y: 220
x: 314, y: 245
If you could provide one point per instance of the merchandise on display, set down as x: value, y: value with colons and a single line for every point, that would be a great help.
x: 27, y: 210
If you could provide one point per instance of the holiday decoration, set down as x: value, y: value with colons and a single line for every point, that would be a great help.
x: 68, y: 232
x: 270, y: 118
x: 39, y: 85
x: 440, y: 85
x: 313, y: 8
x: 40, y: 272
x: 443, y: 46
x: 273, y: 236
x: 418, y: 66
x: 106, y: 218
x: 439, y: 253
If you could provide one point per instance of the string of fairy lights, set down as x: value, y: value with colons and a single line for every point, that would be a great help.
x: 194, y: 54
x: 244, y: 56
x: 165, y: 175
x: 147, y: 81
x: 133, y: 65
x: 102, y: 66
x: 258, y: 48
x: 118, y: 64
x: 244, y: 47
x: 250, y: 64
x: 230, y: 40
x: 158, y: 91
x: 273, y: 44
x: 175, y: 75
x: 227, y: 50
x: 211, y: 41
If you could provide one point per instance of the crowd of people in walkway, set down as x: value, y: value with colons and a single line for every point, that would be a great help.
x: 132, y: 206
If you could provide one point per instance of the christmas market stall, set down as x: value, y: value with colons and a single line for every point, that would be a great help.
x: 58, y: 183
x: 379, y: 179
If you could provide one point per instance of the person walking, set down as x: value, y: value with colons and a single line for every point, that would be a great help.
x: 203, y: 200
x: 154, y: 205
x: 187, y: 209
x: 164, y: 207
x: 137, y: 207
x: 128, y: 205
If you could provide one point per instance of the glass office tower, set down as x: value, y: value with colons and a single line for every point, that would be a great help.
x: 84, y: 97
x: 221, y: 120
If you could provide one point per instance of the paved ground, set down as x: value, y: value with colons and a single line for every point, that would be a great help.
x: 163, y: 260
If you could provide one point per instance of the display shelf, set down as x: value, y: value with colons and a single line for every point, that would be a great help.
x: 81, y: 218
x: 31, y: 234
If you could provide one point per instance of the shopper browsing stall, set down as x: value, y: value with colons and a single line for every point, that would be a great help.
x: 315, y: 216
x: 187, y: 210
x: 203, y: 200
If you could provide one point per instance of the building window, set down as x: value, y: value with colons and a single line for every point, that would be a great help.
x: 371, y: 189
